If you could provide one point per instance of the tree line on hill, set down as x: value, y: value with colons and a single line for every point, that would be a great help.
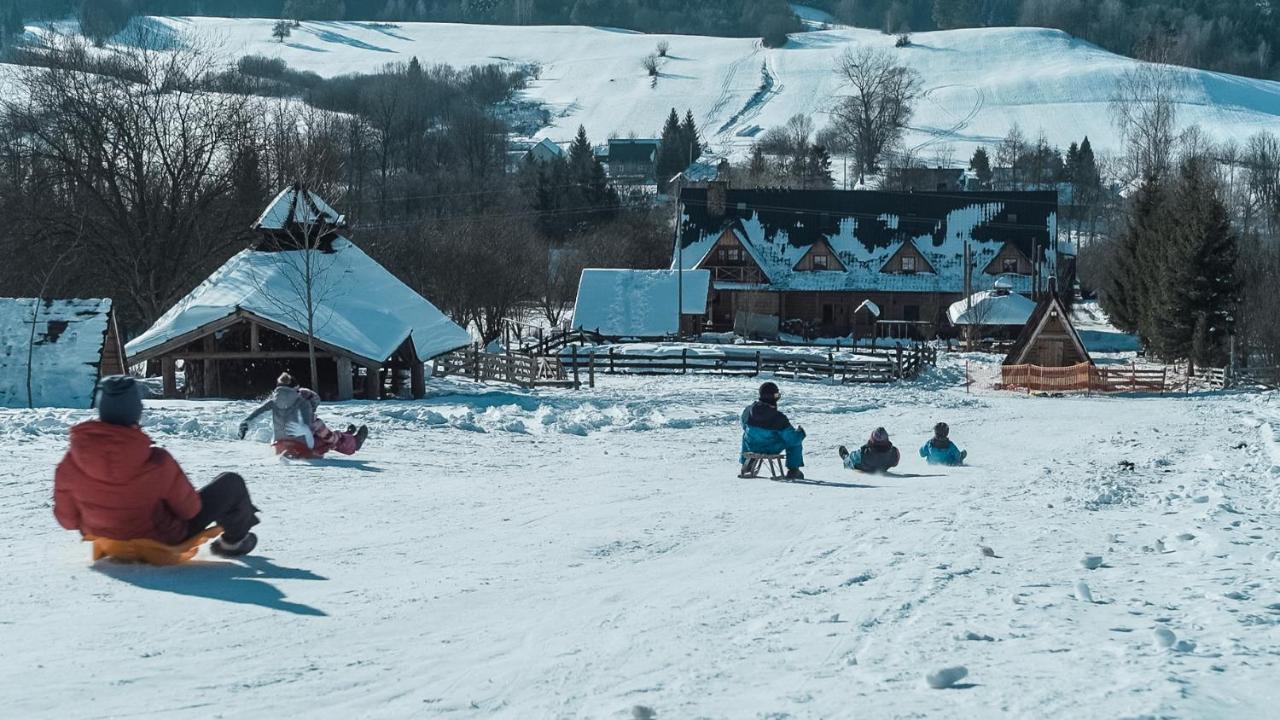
x: 121, y: 177
x: 768, y: 19
x: 1226, y: 35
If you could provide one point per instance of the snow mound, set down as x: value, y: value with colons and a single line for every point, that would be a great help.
x: 946, y: 677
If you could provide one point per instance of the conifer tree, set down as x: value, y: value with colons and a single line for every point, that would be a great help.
x: 980, y: 164
x: 1128, y: 285
x: 669, y: 153
x: 691, y: 144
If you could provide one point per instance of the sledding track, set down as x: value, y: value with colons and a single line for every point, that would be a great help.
x: 576, y: 554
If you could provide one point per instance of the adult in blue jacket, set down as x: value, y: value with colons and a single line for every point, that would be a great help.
x: 766, y: 430
x: 940, y: 450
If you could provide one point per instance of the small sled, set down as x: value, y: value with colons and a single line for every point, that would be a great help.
x: 152, y: 552
x: 295, y: 450
x: 751, y: 468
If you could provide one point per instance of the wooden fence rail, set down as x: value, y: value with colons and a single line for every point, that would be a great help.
x: 566, y: 369
x: 1085, y: 378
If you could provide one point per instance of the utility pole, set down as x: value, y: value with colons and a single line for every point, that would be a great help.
x: 679, y: 255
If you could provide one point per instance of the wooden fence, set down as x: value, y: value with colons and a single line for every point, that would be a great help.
x: 1085, y: 378
x: 579, y: 365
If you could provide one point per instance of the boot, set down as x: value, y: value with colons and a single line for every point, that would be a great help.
x: 362, y: 434
x: 222, y: 548
x: 351, y: 429
x: 844, y: 452
x: 794, y: 474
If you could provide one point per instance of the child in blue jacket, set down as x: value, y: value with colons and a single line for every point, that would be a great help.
x: 766, y: 430
x: 940, y: 450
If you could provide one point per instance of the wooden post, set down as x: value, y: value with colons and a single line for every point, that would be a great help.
x: 417, y: 380
x: 591, y: 370
x: 211, y: 388
x: 476, y: 360
x: 255, y: 342
x: 345, y: 389
x: 684, y: 361
x: 373, y: 383
x: 169, y: 370
x: 831, y: 364
x: 610, y: 359
x: 573, y: 354
x: 898, y: 353
x: 759, y: 364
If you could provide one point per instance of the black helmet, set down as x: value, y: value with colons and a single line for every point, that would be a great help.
x: 769, y: 392
x: 941, y: 430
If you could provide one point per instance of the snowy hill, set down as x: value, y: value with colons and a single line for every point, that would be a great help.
x: 978, y: 82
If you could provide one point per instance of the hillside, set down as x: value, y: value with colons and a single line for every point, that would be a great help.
x: 978, y: 82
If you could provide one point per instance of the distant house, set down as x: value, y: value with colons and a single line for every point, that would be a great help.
x: 641, y: 303
x: 924, y: 179
x: 523, y: 151
x: 1049, y: 338
x: 811, y: 258
x: 248, y: 321
x: 998, y: 312
x: 75, y: 343
x: 632, y: 161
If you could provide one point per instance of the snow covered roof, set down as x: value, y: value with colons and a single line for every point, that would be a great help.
x: 295, y: 206
x: 361, y: 308
x: 992, y: 307
x: 66, y: 356
x: 866, y: 228
x: 638, y: 303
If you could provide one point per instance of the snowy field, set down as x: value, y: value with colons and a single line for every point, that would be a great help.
x: 497, y: 553
x: 977, y: 82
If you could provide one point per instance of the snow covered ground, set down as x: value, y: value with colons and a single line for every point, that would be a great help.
x: 977, y: 82
x: 498, y: 553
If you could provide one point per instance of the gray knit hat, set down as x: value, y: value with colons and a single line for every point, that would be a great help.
x: 120, y: 400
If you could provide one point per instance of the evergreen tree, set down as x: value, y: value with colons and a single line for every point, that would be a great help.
x: 689, y: 139
x: 1126, y: 292
x: 670, y: 154
x: 1198, y: 289
x: 980, y: 164
x: 1087, y: 175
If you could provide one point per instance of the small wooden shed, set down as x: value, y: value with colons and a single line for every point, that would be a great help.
x: 248, y: 322
x: 1049, y: 339
x: 54, y: 351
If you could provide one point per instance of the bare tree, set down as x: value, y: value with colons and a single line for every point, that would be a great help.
x: 47, y: 278
x: 143, y: 156
x: 1143, y: 109
x: 650, y: 64
x: 880, y: 104
x: 281, y: 30
x: 664, y: 47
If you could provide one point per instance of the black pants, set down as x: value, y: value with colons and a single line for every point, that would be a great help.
x: 225, y: 501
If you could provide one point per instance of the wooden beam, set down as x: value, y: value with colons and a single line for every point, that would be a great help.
x: 255, y: 343
x: 242, y: 355
x: 373, y: 383
x: 211, y: 388
x: 418, y: 380
x: 302, y: 337
x: 169, y: 370
x: 186, y: 338
x: 345, y: 389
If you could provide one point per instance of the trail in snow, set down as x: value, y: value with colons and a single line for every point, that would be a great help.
x: 501, y: 553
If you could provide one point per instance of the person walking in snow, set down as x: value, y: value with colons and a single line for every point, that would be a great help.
x: 939, y: 450
x: 295, y: 424
x: 113, y: 483
x: 878, y: 455
x: 766, y: 430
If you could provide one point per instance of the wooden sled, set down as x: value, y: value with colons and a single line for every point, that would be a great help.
x: 294, y: 450
x: 751, y: 468
x: 152, y: 552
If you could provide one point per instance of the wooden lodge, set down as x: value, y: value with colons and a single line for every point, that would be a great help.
x: 234, y: 334
x: 803, y: 262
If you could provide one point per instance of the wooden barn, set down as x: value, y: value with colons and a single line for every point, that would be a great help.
x: 1049, y: 339
x: 248, y: 322
x: 53, y: 352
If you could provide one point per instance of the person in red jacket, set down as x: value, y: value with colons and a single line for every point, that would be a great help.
x: 113, y: 483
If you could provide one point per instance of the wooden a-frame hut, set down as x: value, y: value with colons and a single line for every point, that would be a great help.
x: 248, y: 322
x: 1049, y: 339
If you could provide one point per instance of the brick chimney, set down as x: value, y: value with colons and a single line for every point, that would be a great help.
x: 717, y: 198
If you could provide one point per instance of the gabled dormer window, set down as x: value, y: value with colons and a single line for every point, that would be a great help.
x: 1009, y: 265
x: 908, y: 264
x: 820, y: 262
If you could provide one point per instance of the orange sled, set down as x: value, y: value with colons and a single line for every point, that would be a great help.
x: 152, y: 552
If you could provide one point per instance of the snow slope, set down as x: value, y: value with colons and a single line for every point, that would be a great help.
x: 978, y: 82
x: 505, y: 554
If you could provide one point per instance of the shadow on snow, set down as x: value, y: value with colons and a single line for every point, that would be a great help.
x: 233, y: 582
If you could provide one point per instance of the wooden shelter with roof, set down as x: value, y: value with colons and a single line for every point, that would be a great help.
x: 299, y: 280
x: 53, y: 352
x: 1049, y: 339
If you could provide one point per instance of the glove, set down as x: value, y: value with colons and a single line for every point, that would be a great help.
x: 244, y: 429
x: 801, y: 431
